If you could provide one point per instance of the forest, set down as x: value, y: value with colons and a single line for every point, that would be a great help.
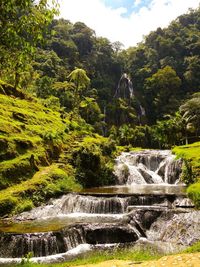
x: 68, y: 95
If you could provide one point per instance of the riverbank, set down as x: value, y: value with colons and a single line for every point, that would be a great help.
x: 180, y: 260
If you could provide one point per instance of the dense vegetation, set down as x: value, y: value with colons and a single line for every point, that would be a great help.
x: 191, y: 169
x: 66, y: 101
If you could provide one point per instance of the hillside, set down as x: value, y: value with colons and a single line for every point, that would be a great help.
x: 68, y: 98
x: 39, y: 147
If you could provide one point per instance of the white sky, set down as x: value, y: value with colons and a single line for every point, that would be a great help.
x: 112, y: 23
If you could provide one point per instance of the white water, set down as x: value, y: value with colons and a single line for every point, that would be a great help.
x: 147, y: 167
x: 78, y: 251
x: 133, y: 169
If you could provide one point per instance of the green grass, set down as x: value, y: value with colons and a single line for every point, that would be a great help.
x: 191, y: 169
x: 191, y: 155
x: 35, y: 139
x: 49, y: 181
x: 193, y: 192
x: 96, y: 257
x: 32, y: 137
x: 130, y: 254
x: 194, y: 248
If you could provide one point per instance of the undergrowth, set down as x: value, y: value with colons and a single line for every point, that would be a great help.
x: 45, y: 153
x: 191, y: 169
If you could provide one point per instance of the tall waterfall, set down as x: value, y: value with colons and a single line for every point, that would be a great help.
x: 147, y: 167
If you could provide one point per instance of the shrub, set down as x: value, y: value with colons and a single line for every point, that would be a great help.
x: 193, y: 192
x: 93, y: 166
x: 7, y: 205
x: 24, y: 205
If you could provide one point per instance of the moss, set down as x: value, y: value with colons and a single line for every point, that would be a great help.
x: 191, y: 169
x: 194, y: 248
x: 7, y: 205
x: 50, y: 181
x: 93, y: 161
x: 191, y: 155
x: 33, y: 139
x: 193, y: 192
x: 23, y: 205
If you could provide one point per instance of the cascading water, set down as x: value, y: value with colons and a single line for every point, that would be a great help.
x: 104, y: 216
x: 147, y: 167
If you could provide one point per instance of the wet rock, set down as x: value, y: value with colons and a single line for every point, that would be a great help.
x: 180, y: 228
x: 148, y: 166
x: 110, y: 233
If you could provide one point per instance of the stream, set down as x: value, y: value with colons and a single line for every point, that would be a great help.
x: 146, y: 207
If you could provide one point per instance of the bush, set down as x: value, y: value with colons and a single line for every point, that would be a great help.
x: 193, y: 192
x: 25, y: 205
x: 7, y: 205
x: 93, y: 167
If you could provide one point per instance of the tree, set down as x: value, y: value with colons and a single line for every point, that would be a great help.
x: 161, y: 93
x: 190, y: 112
x: 23, y: 25
x: 80, y: 81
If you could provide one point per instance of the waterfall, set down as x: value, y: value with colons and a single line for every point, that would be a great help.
x: 125, y: 91
x: 147, y: 167
x: 124, y: 87
x: 52, y: 243
x: 18, y: 245
x: 91, y: 220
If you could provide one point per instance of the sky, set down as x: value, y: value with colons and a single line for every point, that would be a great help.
x: 126, y: 21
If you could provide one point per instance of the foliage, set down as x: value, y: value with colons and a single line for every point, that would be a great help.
x: 80, y: 82
x: 190, y: 111
x: 93, y: 161
x: 23, y: 25
x: 191, y: 155
x: 161, y: 90
x: 191, y: 169
x: 193, y: 192
x: 163, y: 69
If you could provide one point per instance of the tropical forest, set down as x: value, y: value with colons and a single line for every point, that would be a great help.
x: 99, y: 145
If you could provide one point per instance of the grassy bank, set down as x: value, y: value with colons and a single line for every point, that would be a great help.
x: 191, y: 169
x: 96, y: 257
x: 134, y: 255
x: 45, y: 153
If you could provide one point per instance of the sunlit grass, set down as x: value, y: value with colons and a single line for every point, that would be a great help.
x: 96, y: 257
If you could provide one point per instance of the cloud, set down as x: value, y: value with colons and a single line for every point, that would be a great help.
x: 110, y: 23
x: 137, y: 2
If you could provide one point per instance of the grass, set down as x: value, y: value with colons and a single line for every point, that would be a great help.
x: 49, y: 181
x: 32, y: 137
x: 194, y: 248
x: 191, y: 169
x: 37, y: 152
x: 191, y: 155
x: 129, y: 254
x: 193, y: 192
x: 96, y: 257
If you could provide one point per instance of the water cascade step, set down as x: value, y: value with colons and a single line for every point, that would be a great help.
x: 146, y: 203
x: 51, y: 243
x: 147, y: 167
